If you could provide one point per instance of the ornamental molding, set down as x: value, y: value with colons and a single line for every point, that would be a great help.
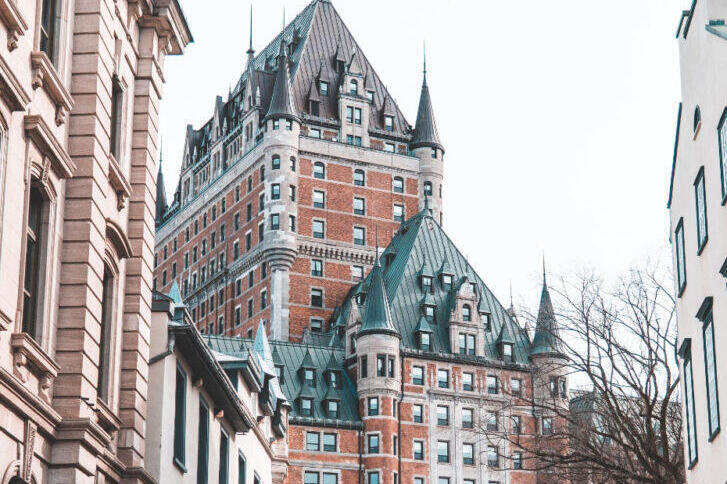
x: 119, y: 183
x: 40, y: 133
x: 10, y: 87
x: 29, y: 357
x: 14, y: 21
x: 344, y: 254
x: 45, y: 75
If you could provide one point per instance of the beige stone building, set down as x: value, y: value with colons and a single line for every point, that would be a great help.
x: 698, y: 235
x: 80, y: 84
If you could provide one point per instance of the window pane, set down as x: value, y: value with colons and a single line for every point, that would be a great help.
x: 711, y: 375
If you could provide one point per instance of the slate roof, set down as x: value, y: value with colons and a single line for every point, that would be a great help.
x: 377, y: 314
x: 281, y: 101
x: 425, y: 131
x: 421, y: 240
x: 291, y: 356
x: 546, y: 339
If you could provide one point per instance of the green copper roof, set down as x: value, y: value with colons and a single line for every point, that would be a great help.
x: 423, y: 326
x: 377, y: 314
x: 307, y: 360
x: 420, y: 239
x: 546, y: 340
x: 175, y: 296
x: 505, y: 335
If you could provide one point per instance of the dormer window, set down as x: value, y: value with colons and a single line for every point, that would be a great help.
x: 390, y: 258
x: 323, y: 88
x: 425, y: 341
x: 370, y: 96
x: 486, y: 321
x: 389, y: 123
x: 466, y: 313
x: 309, y: 377
x: 353, y: 87
x: 315, y: 108
x: 427, y: 284
x: 360, y: 298
x: 332, y: 409
x: 446, y: 282
x: 333, y: 379
x: 429, y: 314
x: 306, y: 407
x: 507, y: 351
x: 279, y: 373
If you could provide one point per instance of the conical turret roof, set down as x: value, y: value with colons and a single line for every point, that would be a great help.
x: 281, y: 102
x: 161, y: 204
x: 546, y: 340
x: 425, y: 130
x: 377, y: 310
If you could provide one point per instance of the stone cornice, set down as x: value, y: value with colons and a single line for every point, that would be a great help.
x: 44, y: 74
x: 310, y: 247
x: 37, y: 129
x: 14, y: 21
x: 119, y: 182
x: 26, y: 402
x: 11, y: 88
x: 167, y: 19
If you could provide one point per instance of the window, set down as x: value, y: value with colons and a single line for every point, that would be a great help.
x: 429, y: 313
x: 517, y: 460
x: 359, y: 178
x: 316, y: 298
x: 319, y: 199
x: 203, y: 431
x: 392, y: 365
x: 697, y: 118
x: 224, y: 457
x: 701, y: 206
x: 507, y: 351
x: 446, y: 282
x: 442, y: 415
x: 710, y: 369
x: 434, y: 153
x: 292, y: 163
x: 349, y: 114
x: 467, y: 418
x: 466, y: 344
x: 316, y: 267
x: 466, y: 313
x: 312, y: 441
x: 389, y: 147
x: 311, y: 478
x: 261, y: 203
x: 292, y: 193
x: 373, y: 443
x: 323, y: 88
x: 117, y: 102
x: 389, y: 123
x: 48, y: 28
x: 180, y: 418
x: 468, y: 381
x: 238, y: 316
x: 417, y: 375
x: 417, y: 413
x: 306, y: 407
x: 426, y: 281
x: 492, y: 421
x: 107, y: 324
x: 309, y: 377
x: 370, y: 96
x: 381, y: 365
x: 373, y: 478
x: 399, y: 217
x: 517, y: 424
x: 492, y: 386
x: 359, y: 236
x: 357, y: 116
x: 492, y: 457
x: 443, y: 378
x: 33, y: 264
x: 330, y: 442
x: 373, y: 406
x: 319, y: 231
x: 353, y: 87
x: 359, y: 206
x: 443, y: 451
x: 516, y: 386
x: 418, y: 450
x: 547, y: 425
x: 315, y: 133
x: 428, y: 188
x: 276, y: 124
x: 686, y: 354
x: 443, y: 480
x: 398, y: 184
x: 468, y: 454
x: 291, y: 223
x: 425, y: 341
x: 319, y: 170
x: 275, y: 191
x: 364, y: 366
x: 681, y: 267
x: 357, y: 273
x: 276, y: 162
x: 316, y: 325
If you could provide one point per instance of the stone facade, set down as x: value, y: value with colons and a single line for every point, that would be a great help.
x: 697, y: 234
x: 81, y: 82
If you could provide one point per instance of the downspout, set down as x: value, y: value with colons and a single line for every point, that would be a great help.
x: 360, y: 459
x: 398, y: 415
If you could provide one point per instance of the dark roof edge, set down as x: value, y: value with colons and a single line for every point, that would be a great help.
x: 464, y: 359
x: 324, y: 422
x: 674, y: 159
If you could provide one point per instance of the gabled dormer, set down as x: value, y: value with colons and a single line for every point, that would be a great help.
x: 428, y: 307
x: 307, y: 371
x: 446, y: 275
x: 426, y: 278
x: 332, y: 372
x: 465, y: 328
x: 424, y: 334
x: 332, y: 403
x: 505, y: 342
x: 279, y: 367
x: 304, y: 400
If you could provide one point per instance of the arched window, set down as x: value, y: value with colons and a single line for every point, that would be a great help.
x: 466, y: 313
x: 319, y: 170
x: 353, y: 87
x: 276, y: 162
x: 697, y: 117
x: 428, y: 188
x: 398, y: 184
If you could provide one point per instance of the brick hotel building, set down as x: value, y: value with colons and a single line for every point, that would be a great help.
x: 398, y: 367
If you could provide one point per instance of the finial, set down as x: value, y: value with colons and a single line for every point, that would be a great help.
x: 511, y: 305
x: 424, y: 45
x: 543, y: 267
x: 283, y: 20
x: 250, y: 50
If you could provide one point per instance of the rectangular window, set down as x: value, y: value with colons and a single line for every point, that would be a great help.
x: 468, y: 381
x: 418, y: 450
x: 373, y: 478
x: 359, y: 236
x: 373, y: 406
x: 547, y: 425
x: 517, y: 460
x: 316, y: 298
x: 275, y: 191
x: 399, y: 217
x: 442, y: 415
x: 315, y: 133
x: 117, y: 111
x: 291, y: 223
x: 389, y: 123
x: 492, y: 386
x: 312, y: 441
x: 468, y: 454
x: 710, y: 369
x: 292, y: 193
x: 319, y: 199
x: 681, y: 268
x: 389, y: 147
x: 468, y: 418
x: 417, y: 375
x: 306, y: 407
x: 357, y: 116
x: 493, y: 459
x: 517, y: 424
x: 443, y: 451
x: 357, y: 273
x: 274, y: 221
x: 203, y: 430
x: 689, y: 402
x: 443, y: 378
x: 323, y: 88
x: 316, y: 325
x: 224, y: 457
x: 722, y: 135
x: 373, y: 443
x: 330, y: 442
x: 700, y: 197
x: 359, y: 206
x: 492, y: 421
x: 311, y: 478
x: 381, y: 365
x: 332, y: 409
x: 319, y: 229
x: 417, y: 413
x: 349, y: 114
x: 364, y: 366
x: 180, y: 417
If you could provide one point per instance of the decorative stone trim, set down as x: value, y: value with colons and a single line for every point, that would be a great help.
x: 312, y: 249
x: 29, y: 356
x: 14, y: 21
x: 106, y: 419
x: 4, y: 321
x: 119, y: 183
x: 44, y: 74
x: 10, y: 87
x: 38, y: 131
x: 117, y: 236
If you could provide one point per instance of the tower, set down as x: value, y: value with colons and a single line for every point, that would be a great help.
x: 379, y: 378
x: 426, y: 146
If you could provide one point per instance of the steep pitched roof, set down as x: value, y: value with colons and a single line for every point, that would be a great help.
x: 425, y: 130
x: 546, y: 340
x: 161, y: 203
x: 421, y: 239
x: 377, y: 313
x: 281, y: 101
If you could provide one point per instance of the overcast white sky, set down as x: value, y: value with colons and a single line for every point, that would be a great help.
x: 558, y: 117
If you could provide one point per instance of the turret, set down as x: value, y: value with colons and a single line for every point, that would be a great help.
x: 281, y: 107
x: 426, y: 146
x: 161, y: 201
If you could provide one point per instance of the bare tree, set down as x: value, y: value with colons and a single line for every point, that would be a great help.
x: 619, y: 344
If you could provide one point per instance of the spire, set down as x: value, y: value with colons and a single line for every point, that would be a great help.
x: 261, y: 346
x: 425, y: 130
x: 281, y: 102
x: 377, y: 310
x: 511, y: 309
x: 546, y: 340
x: 250, y: 50
x: 424, y: 48
x: 161, y: 205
